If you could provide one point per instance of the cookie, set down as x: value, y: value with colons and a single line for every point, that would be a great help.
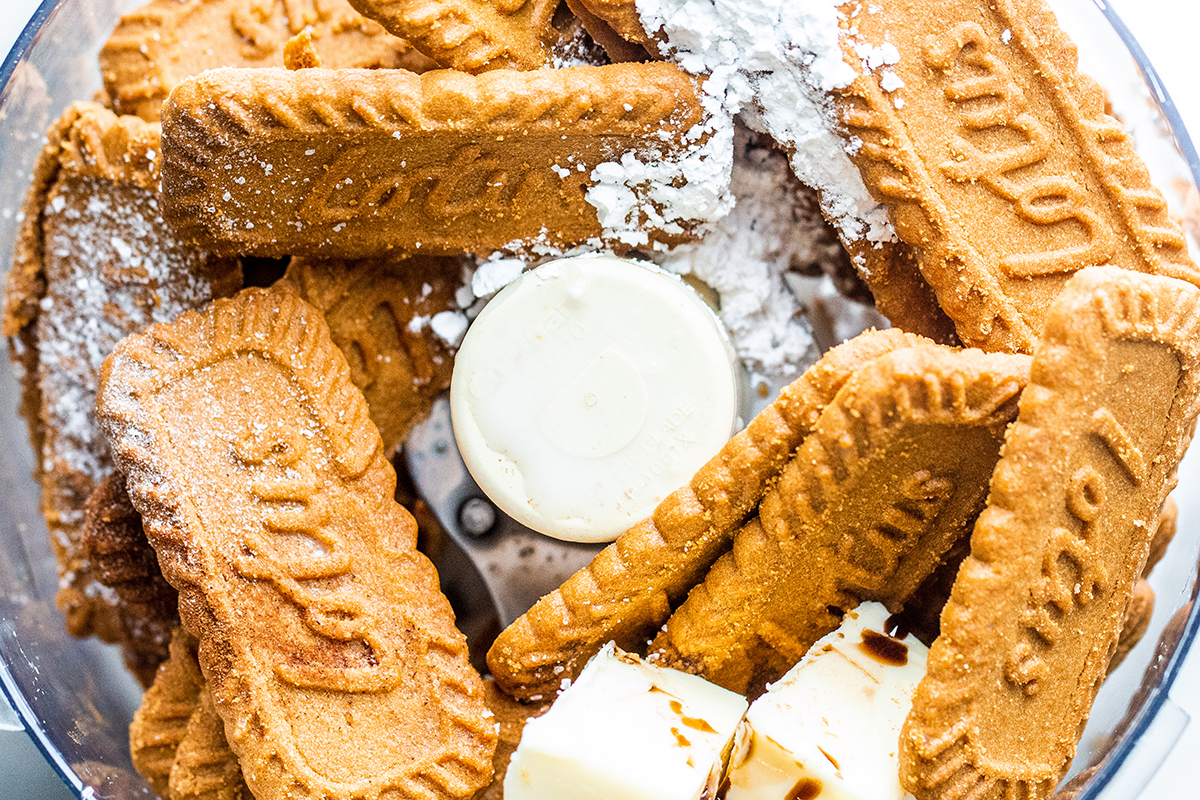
x: 511, y: 717
x: 121, y: 559
x: 894, y: 472
x: 1134, y: 623
x: 627, y: 591
x: 155, y: 47
x: 352, y: 163
x: 161, y: 722
x: 379, y: 315
x: 94, y: 262
x: 204, y: 767
x: 997, y: 161
x: 1163, y: 534
x: 622, y: 17
x: 1034, y: 616
x: 472, y: 35
x: 890, y: 271
x: 264, y: 489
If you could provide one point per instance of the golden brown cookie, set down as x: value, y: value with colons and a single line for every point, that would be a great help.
x: 472, y: 35
x: 901, y: 294
x: 894, y: 472
x: 1163, y: 534
x: 121, y: 559
x: 622, y: 17
x: 161, y: 722
x: 155, y: 47
x: 1035, y: 613
x: 997, y: 161
x: 351, y: 163
x: 264, y: 489
x: 204, y: 767
x: 378, y: 314
x: 1134, y: 623
x: 94, y: 262
x: 626, y: 593
x: 511, y: 717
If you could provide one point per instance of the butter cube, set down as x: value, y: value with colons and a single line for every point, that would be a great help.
x: 627, y: 730
x: 830, y: 728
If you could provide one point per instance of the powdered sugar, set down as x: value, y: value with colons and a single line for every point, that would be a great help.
x: 676, y: 193
x: 778, y: 61
x: 744, y: 259
x: 111, y: 269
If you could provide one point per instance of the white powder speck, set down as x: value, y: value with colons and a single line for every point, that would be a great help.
x: 494, y: 274
x: 449, y: 326
x: 1006, y: 36
x: 890, y: 81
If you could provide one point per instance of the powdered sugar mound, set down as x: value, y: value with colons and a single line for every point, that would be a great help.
x: 781, y: 59
x: 111, y: 269
x: 677, y: 193
x: 744, y: 259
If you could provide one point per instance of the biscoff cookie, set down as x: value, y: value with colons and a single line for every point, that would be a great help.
x: 161, y: 722
x: 511, y: 717
x: 997, y: 161
x: 353, y: 163
x: 1134, y: 623
x: 1034, y: 616
x: 894, y: 472
x: 628, y: 590
x: 94, y: 261
x: 379, y: 314
x: 1163, y: 534
x: 473, y: 35
x: 265, y: 491
x: 204, y: 767
x: 155, y: 47
x: 121, y: 559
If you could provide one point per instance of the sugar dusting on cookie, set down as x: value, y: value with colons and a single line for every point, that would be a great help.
x: 778, y: 62
x: 143, y: 277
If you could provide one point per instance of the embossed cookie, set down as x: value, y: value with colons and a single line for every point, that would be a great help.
x: 155, y: 47
x: 265, y: 491
x: 161, y: 722
x: 1035, y: 612
x: 473, y: 35
x: 121, y: 559
x: 204, y: 767
x: 997, y: 161
x: 627, y: 591
x: 511, y: 717
x: 894, y: 472
x: 94, y: 261
x: 1134, y: 623
x: 352, y: 163
x: 1163, y: 534
x: 379, y: 315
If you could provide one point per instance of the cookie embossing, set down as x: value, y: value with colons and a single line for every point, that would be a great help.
x: 472, y: 35
x: 122, y: 559
x: 161, y: 722
x: 630, y: 587
x: 155, y: 47
x: 378, y: 313
x: 204, y: 767
x: 264, y: 489
x: 894, y: 472
x: 1034, y: 615
x: 352, y: 163
x: 993, y: 121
